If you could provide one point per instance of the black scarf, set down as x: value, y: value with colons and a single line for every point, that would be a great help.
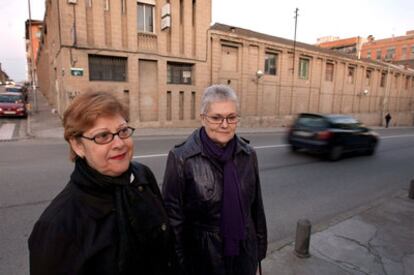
x: 139, y: 217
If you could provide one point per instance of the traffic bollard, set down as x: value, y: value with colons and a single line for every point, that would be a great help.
x: 303, y: 233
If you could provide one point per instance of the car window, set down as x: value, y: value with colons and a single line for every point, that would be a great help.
x: 10, y: 98
x: 346, y: 123
x: 311, y: 122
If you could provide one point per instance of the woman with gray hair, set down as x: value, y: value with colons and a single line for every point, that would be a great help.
x: 212, y: 194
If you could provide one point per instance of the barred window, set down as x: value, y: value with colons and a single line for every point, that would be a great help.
x: 303, y: 68
x: 107, y: 68
x: 179, y: 73
x: 270, y: 63
x: 351, y: 74
x: 329, y: 72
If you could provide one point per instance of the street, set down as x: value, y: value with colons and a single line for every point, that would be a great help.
x: 294, y: 186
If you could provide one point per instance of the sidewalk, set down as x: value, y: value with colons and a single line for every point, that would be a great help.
x: 377, y: 239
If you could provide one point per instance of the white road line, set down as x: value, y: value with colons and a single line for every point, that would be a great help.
x: 150, y: 156
x: 6, y: 131
x: 270, y: 146
x: 257, y: 147
x: 398, y: 136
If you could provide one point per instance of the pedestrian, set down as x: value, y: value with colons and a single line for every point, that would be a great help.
x: 212, y: 194
x: 109, y: 219
x: 387, y: 119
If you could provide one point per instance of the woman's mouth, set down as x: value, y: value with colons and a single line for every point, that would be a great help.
x: 118, y: 157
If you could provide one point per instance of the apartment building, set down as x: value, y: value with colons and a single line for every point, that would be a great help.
x: 158, y: 56
x: 397, y: 50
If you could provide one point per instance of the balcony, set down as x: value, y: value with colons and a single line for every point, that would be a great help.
x: 147, y: 42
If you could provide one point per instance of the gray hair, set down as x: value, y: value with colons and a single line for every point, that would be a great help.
x: 216, y: 93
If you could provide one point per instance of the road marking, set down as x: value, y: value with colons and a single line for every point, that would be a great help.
x: 397, y: 136
x: 7, y: 130
x: 150, y: 156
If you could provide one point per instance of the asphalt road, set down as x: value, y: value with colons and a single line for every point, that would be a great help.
x: 294, y: 186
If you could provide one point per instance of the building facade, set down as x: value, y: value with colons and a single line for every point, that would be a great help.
x: 351, y: 45
x: 33, y: 40
x: 397, y: 50
x: 158, y: 56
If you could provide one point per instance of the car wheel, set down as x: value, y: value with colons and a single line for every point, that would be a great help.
x: 335, y: 153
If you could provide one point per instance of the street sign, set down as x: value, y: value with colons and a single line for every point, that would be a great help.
x: 76, y: 71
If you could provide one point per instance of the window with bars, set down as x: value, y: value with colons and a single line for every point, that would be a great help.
x: 329, y: 72
x: 303, y: 68
x: 179, y: 73
x: 107, y: 68
x: 383, y: 79
x: 271, y: 63
x: 351, y: 74
x: 368, y: 77
x: 145, y: 17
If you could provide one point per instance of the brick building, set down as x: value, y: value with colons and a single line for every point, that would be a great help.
x: 397, y: 50
x: 352, y: 45
x: 36, y: 35
x: 158, y: 56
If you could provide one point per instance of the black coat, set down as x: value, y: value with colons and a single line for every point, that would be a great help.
x: 78, y: 233
x: 192, y: 191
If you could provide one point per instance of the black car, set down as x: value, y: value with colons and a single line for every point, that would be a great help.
x: 331, y: 135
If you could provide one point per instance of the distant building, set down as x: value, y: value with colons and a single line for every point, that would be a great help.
x: 159, y: 56
x: 347, y: 45
x: 398, y: 50
x: 3, y: 76
x: 36, y: 27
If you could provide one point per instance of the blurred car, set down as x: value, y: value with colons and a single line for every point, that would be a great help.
x: 12, y: 105
x: 331, y: 135
x: 18, y: 89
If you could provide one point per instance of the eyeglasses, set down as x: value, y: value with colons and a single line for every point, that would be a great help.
x: 231, y: 119
x: 107, y: 137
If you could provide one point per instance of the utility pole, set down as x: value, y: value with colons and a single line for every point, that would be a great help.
x: 34, y: 90
x: 294, y: 57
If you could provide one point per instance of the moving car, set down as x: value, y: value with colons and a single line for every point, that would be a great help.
x: 331, y: 135
x: 12, y: 104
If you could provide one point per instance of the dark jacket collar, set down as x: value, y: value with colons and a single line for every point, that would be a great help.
x: 97, y: 203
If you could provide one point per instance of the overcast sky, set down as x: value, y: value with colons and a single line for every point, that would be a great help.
x: 317, y: 18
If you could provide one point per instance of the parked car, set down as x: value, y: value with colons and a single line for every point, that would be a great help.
x: 12, y: 104
x: 331, y: 135
x: 18, y: 89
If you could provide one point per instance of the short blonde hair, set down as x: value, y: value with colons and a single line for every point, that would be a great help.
x: 85, y: 109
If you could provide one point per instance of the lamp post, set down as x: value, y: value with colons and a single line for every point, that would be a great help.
x: 34, y: 90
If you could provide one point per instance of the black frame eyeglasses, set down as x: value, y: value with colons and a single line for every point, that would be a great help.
x: 216, y: 119
x: 106, y: 137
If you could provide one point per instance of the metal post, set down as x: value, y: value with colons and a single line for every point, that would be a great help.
x: 34, y: 90
x: 293, y: 67
x: 411, y: 191
x: 303, y: 232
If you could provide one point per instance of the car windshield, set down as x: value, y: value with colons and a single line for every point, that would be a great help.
x: 345, y: 122
x: 14, y: 90
x: 10, y: 98
x: 311, y: 122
